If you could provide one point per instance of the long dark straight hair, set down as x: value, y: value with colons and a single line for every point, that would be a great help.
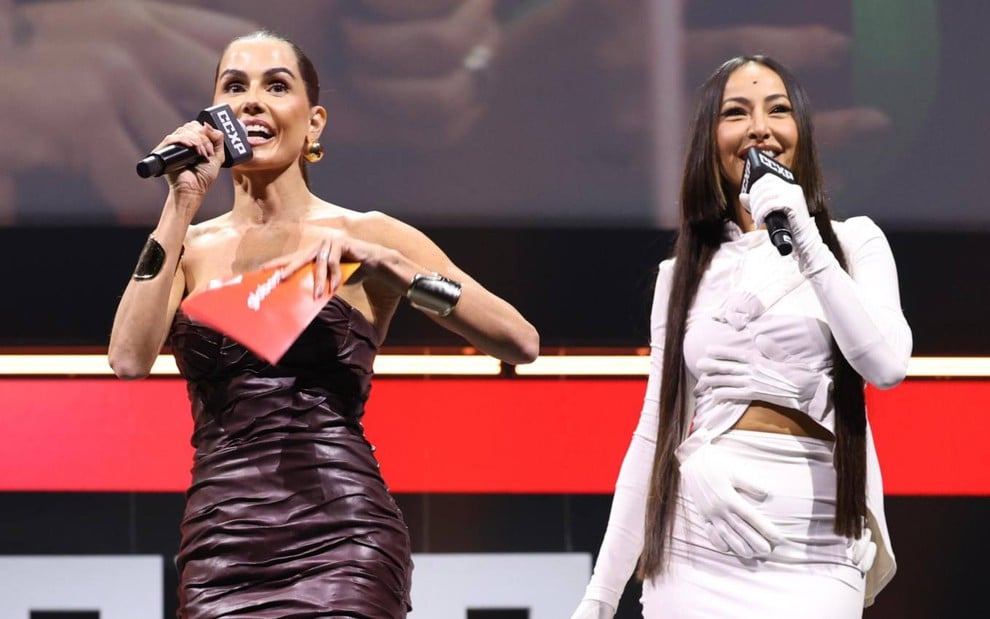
x: 704, y: 211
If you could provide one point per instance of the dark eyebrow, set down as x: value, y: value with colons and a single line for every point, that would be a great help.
x: 269, y: 73
x: 277, y: 70
x: 234, y: 72
x: 745, y: 101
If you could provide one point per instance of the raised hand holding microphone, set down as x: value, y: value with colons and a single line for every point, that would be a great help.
x: 176, y: 156
x: 775, y: 197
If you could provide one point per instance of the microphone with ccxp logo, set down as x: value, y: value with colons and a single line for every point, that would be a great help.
x: 178, y: 156
x: 759, y: 163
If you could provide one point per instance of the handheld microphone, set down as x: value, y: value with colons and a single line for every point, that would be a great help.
x: 178, y: 156
x: 759, y: 163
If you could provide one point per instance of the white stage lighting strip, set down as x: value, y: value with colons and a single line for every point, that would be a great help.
x: 460, y: 365
x: 389, y: 365
x: 587, y: 365
x: 631, y: 365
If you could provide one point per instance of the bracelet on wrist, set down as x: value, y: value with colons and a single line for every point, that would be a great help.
x: 433, y: 293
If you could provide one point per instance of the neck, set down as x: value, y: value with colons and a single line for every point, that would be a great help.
x: 263, y: 198
x: 741, y: 217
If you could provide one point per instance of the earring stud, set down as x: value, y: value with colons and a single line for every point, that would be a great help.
x: 314, y: 151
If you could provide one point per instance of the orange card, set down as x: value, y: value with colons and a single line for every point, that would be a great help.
x: 261, y: 310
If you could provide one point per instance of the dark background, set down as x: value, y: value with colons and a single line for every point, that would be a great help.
x: 580, y: 287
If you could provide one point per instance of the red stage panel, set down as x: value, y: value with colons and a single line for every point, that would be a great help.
x: 450, y: 434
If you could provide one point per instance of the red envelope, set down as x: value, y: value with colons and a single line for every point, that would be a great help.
x: 262, y: 311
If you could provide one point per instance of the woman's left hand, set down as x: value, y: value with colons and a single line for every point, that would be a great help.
x: 327, y: 253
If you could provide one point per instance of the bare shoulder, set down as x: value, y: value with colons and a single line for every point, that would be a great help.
x: 378, y: 227
x: 382, y: 229
x: 353, y: 221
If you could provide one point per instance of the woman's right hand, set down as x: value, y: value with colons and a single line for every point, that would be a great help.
x: 593, y: 609
x: 195, y: 181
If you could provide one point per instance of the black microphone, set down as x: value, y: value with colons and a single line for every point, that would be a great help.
x: 178, y: 156
x: 759, y: 163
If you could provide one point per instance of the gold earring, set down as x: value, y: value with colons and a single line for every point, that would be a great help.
x: 314, y: 151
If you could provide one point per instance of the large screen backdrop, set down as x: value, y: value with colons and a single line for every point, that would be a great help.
x: 508, y: 113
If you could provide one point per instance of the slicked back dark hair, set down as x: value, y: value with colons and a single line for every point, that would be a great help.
x: 307, y: 72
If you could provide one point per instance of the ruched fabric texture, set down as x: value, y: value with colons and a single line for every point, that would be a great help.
x: 287, y: 514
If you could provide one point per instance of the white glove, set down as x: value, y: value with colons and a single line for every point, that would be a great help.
x: 863, y: 551
x: 772, y: 193
x: 731, y: 522
x: 593, y: 609
x: 747, y: 375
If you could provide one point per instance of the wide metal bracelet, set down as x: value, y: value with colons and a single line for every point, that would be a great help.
x: 433, y: 293
x: 152, y: 259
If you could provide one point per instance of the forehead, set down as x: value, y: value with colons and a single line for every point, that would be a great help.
x: 258, y: 54
x: 753, y: 79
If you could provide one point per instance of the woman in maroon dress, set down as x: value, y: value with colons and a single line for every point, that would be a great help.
x: 287, y: 514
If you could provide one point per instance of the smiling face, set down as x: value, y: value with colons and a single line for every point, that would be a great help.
x: 755, y: 112
x: 260, y: 79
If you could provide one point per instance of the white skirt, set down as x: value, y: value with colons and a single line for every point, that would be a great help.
x: 811, y: 575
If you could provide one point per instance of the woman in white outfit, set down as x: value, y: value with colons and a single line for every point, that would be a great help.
x: 751, y: 486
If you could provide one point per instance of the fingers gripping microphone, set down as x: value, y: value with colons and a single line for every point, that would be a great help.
x: 759, y: 163
x: 178, y: 156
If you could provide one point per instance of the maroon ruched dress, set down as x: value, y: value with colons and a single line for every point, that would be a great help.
x: 287, y: 514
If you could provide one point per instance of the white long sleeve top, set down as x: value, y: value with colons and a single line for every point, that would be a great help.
x: 750, y: 296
